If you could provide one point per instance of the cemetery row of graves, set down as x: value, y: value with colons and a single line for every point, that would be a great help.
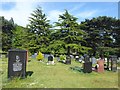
x: 18, y: 61
x: 73, y: 47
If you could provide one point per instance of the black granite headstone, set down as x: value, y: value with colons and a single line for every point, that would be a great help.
x: 50, y: 58
x: 87, y: 67
x: 17, y: 63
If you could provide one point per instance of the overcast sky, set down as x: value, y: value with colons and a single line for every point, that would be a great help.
x: 20, y: 11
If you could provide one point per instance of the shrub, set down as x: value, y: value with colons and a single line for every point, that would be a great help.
x: 62, y: 57
x: 39, y: 56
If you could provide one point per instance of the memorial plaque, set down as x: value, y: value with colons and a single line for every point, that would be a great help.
x: 17, y: 63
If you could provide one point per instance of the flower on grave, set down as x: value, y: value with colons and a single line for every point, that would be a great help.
x: 39, y: 56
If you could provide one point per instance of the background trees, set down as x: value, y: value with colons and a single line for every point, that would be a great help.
x: 7, y: 32
x: 69, y: 34
x: 96, y: 35
x: 20, y: 38
x: 101, y: 31
x: 38, y: 31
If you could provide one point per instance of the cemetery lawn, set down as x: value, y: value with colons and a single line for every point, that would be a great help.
x: 58, y: 76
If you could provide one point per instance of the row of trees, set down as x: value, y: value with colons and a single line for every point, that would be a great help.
x: 101, y: 34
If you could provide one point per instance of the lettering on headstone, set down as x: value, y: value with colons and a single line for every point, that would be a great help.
x: 17, y: 66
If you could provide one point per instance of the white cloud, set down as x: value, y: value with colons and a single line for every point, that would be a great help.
x: 20, y: 12
x: 54, y: 15
x: 77, y: 7
x: 87, y: 14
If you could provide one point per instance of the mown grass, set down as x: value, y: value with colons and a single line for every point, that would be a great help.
x: 58, y: 76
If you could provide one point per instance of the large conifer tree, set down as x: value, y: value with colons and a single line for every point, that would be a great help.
x: 69, y: 34
x: 38, y: 31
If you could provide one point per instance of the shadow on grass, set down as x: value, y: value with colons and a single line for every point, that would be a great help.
x: 29, y: 73
x: 85, y: 70
x: 76, y: 68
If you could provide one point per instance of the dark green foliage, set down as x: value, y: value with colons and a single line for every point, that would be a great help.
x: 57, y: 46
x: 70, y: 33
x: 93, y: 36
x: 38, y: 31
x: 109, y: 51
x: 19, y: 39
x: 102, y: 32
x: 62, y: 57
x: 7, y: 33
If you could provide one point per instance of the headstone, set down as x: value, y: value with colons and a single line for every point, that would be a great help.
x: 72, y: 57
x: 34, y: 55
x: 46, y: 55
x: 68, y: 60
x: 50, y: 58
x: 81, y: 59
x: 94, y: 61
x: 112, y: 63
x: 86, y: 58
x: 77, y: 58
x: 87, y: 65
x: 100, y: 67
x: 17, y: 63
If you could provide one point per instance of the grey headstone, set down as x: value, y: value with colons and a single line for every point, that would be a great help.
x: 94, y: 60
